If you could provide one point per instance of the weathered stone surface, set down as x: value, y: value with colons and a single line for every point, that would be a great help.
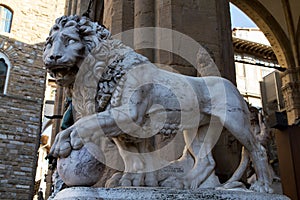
x: 80, y: 168
x: 142, y: 193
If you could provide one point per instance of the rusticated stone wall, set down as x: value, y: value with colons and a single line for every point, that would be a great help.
x: 18, y: 146
x: 21, y: 105
x: 20, y: 118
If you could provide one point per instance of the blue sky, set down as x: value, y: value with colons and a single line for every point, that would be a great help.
x: 239, y: 19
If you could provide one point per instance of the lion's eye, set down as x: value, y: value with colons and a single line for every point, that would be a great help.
x: 48, y: 45
x: 71, y: 41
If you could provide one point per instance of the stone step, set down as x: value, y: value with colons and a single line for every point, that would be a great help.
x: 143, y: 193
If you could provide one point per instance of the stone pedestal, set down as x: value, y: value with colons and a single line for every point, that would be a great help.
x: 143, y: 193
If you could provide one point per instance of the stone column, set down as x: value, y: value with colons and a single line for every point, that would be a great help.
x: 291, y: 78
x: 291, y: 94
x: 79, y: 7
x: 144, y: 16
x: 207, y: 22
x: 288, y: 138
x: 119, y: 17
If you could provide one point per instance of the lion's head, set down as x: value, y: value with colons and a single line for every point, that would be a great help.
x: 69, y: 42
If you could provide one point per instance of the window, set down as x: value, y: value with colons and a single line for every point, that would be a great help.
x: 4, y: 72
x: 5, y: 19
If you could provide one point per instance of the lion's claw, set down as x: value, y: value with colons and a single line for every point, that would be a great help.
x: 64, y: 142
x: 76, y: 141
x: 64, y: 149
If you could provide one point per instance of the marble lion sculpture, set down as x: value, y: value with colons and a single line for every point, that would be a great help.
x: 120, y: 92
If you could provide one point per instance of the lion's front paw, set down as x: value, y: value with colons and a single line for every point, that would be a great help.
x: 64, y: 142
x: 151, y: 179
x: 132, y: 179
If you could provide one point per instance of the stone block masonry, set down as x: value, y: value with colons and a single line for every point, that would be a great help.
x: 19, y: 137
x: 21, y: 106
x: 20, y: 118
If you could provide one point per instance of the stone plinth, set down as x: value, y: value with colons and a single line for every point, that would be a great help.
x: 143, y: 193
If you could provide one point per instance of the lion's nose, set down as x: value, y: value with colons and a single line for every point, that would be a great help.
x: 55, y: 57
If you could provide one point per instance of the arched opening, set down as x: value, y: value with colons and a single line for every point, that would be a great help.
x: 254, y: 57
x: 6, y: 15
x: 4, y: 73
x: 271, y: 29
x: 258, y: 68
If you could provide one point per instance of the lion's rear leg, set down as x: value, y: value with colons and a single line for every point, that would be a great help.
x: 202, y: 169
x: 239, y: 126
x: 234, y: 181
x: 200, y: 148
x: 260, y: 161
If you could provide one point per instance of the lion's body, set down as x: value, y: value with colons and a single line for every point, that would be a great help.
x: 145, y: 100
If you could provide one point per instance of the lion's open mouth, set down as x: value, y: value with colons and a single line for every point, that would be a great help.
x: 62, y: 73
x: 61, y: 70
x: 56, y: 66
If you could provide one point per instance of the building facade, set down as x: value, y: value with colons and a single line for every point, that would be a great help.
x: 24, y: 26
x: 254, y: 59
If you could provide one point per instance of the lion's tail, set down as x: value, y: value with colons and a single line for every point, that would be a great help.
x: 205, y: 64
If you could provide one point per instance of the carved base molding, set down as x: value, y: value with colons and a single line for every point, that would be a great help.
x: 291, y: 95
x: 143, y: 193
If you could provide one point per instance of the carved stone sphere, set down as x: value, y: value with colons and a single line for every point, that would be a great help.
x: 80, y: 168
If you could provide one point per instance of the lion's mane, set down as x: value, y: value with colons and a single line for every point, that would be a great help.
x: 102, y: 51
x: 90, y: 32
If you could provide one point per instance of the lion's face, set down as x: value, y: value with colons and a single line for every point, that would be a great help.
x: 69, y: 42
x: 63, y: 53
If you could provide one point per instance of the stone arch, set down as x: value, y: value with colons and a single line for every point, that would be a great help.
x: 270, y: 27
x: 5, y: 60
x: 6, y: 6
